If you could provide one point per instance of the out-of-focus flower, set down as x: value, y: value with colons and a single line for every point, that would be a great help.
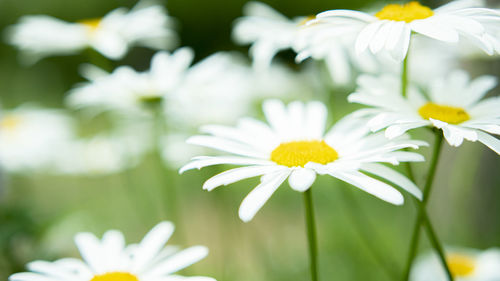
x: 110, y: 259
x: 147, y: 24
x: 221, y: 79
x: 267, y: 30
x: 390, y: 29
x: 101, y: 154
x: 127, y: 89
x: 30, y: 137
x: 464, y: 264
x: 295, y: 146
x: 454, y: 105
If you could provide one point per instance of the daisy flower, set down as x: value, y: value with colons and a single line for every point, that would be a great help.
x: 390, y: 28
x: 147, y: 25
x: 294, y: 146
x: 109, y: 259
x: 30, y: 137
x: 464, y: 264
x: 267, y: 30
x: 453, y: 105
x: 127, y: 89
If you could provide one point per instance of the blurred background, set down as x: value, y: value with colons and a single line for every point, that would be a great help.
x: 360, y: 237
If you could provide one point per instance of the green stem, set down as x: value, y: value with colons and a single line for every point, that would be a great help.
x: 423, y: 218
x: 404, y: 76
x: 311, y: 234
x: 167, y: 184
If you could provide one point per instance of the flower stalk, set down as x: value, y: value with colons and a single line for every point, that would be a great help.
x: 311, y: 234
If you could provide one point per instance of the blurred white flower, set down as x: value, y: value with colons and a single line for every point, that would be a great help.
x: 220, y: 89
x: 30, y: 137
x: 390, y: 29
x: 127, y: 89
x: 101, y: 154
x: 147, y: 24
x: 464, y: 264
x: 295, y: 146
x: 267, y: 30
x: 110, y: 259
x: 454, y: 105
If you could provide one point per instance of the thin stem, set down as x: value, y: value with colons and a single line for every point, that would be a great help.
x: 404, y: 76
x: 311, y: 234
x: 423, y: 218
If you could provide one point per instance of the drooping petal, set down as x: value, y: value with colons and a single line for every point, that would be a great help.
x: 254, y: 201
x: 301, y: 179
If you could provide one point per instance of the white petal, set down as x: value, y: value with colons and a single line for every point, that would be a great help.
x: 380, y: 38
x: 204, y: 161
x: 489, y: 141
x: 394, y: 177
x: 316, y: 115
x: 152, y: 244
x: 397, y: 130
x: 301, y: 179
x: 177, y: 262
x: 401, y: 48
x: 254, y: 201
x: 396, y: 31
x: 225, y: 145
x: 435, y: 29
x: 371, y: 185
x: 28, y: 276
x: 91, y: 251
x: 237, y: 174
x: 366, y: 36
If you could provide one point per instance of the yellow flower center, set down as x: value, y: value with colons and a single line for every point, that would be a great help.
x: 445, y: 113
x: 299, y: 153
x: 405, y: 12
x: 91, y: 24
x: 10, y: 122
x: 460, y: 265
x: 115, y: 276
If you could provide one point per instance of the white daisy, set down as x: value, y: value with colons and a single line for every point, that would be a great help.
x: 267, y: 30
x: 454, y: 105
x: 147, y: 25
x: 110, y: 259
x: 295, y: 146
x: 30, y: 137
x: 390, y: 29
x: 128, y: 89
x: 464, y: 264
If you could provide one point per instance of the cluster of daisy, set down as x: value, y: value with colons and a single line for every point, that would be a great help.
x: 157, y: 109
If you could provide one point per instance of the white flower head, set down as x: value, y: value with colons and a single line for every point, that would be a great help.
x: 294, y: 146
x: 109, y: 259
x: 454, y: 106
x: 391, y: 28
x: 30, y: 137
x: 464, y: 264
x: 146, y: 24
x: 128, y: 89
x: 267, y: 30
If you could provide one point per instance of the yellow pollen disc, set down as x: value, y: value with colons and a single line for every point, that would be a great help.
x: 92, y: 24
x: 299, y: 153
x: 9, y: 122
x: 405, y: 12
x: 115, y: 276
x: 460, y: 265
x: 445, y: 113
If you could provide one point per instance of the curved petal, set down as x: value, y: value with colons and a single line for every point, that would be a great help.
x: 394, y: 177
x: 301, y: 179
x: 254, y: 201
